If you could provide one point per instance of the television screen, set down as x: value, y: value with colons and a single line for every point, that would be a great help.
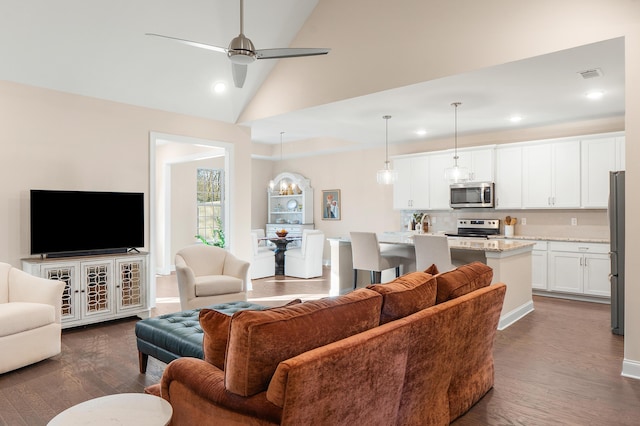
x: 86, y: 222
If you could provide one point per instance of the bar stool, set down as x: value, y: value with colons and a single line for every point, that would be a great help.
x: 432, y: 249
x: 366, y: 255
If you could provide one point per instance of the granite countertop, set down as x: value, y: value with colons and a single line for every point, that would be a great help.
x: 555, y: 238
x: 476, y: 244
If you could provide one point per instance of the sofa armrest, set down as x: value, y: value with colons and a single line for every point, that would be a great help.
x: 195, y: 389
x: 236, y: 268
x: 24, y: 287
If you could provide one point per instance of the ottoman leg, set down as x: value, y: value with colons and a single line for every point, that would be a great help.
x: 142, y: 362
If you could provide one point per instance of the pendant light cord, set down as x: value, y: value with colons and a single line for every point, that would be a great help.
x: 455, y: 132
x: 281, y: 133
x: 386, y: 140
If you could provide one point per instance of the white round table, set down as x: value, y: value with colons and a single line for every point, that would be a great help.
x: 121, y: 409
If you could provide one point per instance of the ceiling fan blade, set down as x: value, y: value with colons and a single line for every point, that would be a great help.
x: 192, y: 43
x: 289, y: 52
x: 239, y: 72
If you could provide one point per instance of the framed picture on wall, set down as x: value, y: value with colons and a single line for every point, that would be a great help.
x: 331, y: 204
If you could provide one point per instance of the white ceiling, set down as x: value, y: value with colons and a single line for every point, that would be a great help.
x: 99, y: 49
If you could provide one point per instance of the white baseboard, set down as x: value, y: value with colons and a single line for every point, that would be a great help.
x: 510, y: 317
x: 631, y: 369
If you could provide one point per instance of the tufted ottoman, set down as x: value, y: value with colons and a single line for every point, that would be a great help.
x: 171, y: 336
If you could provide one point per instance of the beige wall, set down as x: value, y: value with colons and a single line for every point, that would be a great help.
x: 53, y: 140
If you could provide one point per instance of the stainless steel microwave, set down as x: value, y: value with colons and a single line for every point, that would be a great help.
x: 471, y: 194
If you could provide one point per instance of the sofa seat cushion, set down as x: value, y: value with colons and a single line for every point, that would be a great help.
x: 463, y: 280
x: 212, y: 285
x: 260, y: 340
x: 17, y: 317
x: 215, y: 325
x: 406, y: 295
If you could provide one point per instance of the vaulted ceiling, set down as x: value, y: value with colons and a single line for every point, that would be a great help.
x: 99, y: 49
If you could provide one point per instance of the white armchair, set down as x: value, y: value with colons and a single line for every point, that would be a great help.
x: 30, y: 315
x: 263, y: 262
x: 208, y: 275
x: 306, y: 261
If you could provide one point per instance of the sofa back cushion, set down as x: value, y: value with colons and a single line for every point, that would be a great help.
x: 202, y: 259
x: 406, y: 295
x: 260, y: 340
x: 215, y: 325
x: 463, y: 280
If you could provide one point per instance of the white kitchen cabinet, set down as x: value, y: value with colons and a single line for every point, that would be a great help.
x: 551, y: 175
x: 479, y: 162
x: 579, y: 268
x: 97, y: 288
x: 411, y: 190
x: 539, y: 266
x: 508, y: 183
x: 599, y: 157
x: 438, y: 185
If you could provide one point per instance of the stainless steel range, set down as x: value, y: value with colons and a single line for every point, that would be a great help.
x: 476, y: 228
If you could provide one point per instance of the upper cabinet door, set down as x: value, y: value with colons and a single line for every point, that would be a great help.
x: 598, y: 159
x: 479, y: 162
x: 536, y: 176
x: 420, y: 182
x: 411, y: 190
x: 438, y: 185
x: 402, y: 186
x: 508, y: 177
x: 551, y: 175
x: 566, y: 174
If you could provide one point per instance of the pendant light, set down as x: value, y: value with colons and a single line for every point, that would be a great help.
x: 456, y: 173
x: 387, y: 176
x: 272, y: 184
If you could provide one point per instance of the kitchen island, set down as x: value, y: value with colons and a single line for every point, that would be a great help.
x: 510, y: 261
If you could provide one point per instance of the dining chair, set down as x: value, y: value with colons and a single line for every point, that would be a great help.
x: 263, y: 262
x: 306, y: 261
x: 432, y: 250
x: 367, y: 256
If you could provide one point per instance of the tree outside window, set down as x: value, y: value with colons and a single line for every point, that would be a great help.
x: 210, y: 220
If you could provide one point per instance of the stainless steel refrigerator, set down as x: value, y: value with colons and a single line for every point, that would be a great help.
x: 616, y: 228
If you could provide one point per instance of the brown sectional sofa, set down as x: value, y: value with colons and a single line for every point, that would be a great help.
x: 387, y: 354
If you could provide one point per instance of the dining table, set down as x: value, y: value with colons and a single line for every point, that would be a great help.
x: 281, y: 244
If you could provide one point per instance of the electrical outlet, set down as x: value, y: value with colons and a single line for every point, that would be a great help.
x: 574, y: 221
x: 523, y: 221
x: 434, y: 219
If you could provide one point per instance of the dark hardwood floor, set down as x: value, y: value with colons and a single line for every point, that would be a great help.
x: 560, y: 365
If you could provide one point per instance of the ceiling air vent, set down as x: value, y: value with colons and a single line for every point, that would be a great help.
x: 592, y: 73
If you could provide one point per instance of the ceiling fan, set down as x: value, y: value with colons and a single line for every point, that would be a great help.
x: 242, y: 52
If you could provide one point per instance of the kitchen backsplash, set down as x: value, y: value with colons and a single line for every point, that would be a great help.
x: 539, y: 223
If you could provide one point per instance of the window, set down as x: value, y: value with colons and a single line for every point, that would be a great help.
x: 210, y: 221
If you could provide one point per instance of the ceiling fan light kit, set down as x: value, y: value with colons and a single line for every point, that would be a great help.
x: 241, y: 51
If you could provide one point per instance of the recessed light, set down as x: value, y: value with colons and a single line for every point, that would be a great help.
x: 515, y: 119
x: 219, y: 87
x: 595, y: 95
x: 421, y: 132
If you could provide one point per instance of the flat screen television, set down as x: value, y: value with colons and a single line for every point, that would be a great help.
x: 66, y: 223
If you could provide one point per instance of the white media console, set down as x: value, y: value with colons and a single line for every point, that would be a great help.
x: 97, y: 288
